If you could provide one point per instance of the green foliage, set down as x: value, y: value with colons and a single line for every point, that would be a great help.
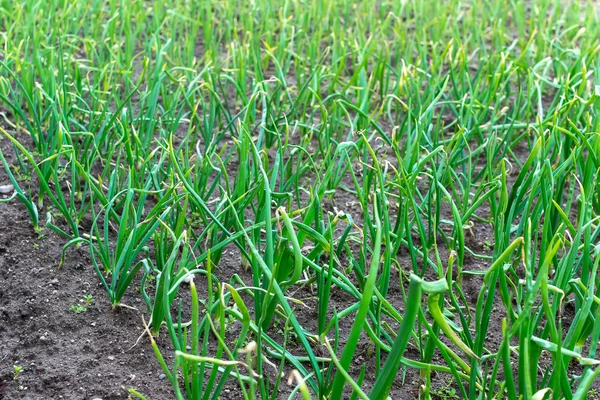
x: 336, y: 159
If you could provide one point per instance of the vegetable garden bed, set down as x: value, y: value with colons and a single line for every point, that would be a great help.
x: 297, y: 199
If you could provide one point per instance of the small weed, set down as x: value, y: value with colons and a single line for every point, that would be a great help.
x: 17, y: 370
x: 445, y: 393
x: 83, y: 305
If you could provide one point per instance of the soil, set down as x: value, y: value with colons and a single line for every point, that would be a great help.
x: 64, y: 354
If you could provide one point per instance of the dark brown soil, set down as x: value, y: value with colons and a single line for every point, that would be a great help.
x: 64, y: 354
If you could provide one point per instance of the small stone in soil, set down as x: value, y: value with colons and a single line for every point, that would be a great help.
x: 6, y: 189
